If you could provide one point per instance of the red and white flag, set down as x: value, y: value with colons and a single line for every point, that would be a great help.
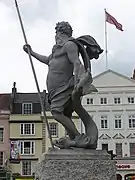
x: 110, y: 19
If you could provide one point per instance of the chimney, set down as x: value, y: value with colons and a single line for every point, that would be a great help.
x: 133, y: 75
x: 14, y: 90
x: 44, y: 97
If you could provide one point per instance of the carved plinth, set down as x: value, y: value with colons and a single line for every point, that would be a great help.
x: 77, y: 164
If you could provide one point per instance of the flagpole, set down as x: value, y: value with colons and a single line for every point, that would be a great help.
x: 106, y: 45
x: 34, y: 73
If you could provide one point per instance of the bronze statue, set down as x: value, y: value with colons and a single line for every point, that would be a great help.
x: 68, y: 80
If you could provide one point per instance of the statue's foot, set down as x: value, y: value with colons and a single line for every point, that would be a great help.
x: 80, y: 141
x: 84, y: 141
x: 63, y: 143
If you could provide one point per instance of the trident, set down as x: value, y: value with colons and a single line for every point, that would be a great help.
x: 34, y: 73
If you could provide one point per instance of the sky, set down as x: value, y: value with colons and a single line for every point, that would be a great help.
x: 39, y: 17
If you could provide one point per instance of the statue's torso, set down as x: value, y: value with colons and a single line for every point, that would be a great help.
x: 60, y: 68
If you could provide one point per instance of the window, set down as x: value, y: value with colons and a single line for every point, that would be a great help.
x: 26, y: 167
x: 27, y: 108
x: 103, y: 100
x: 131, y: 100
x: 1, y: 134
x: 89, y: 100
x: 27, y: 129
x: 118, y: 122
x: 132, y: 149
x: 117, y: 100
x: 1, y: 158
x: 131, y: 121
x: 119, y: 149
x: 27, y: 147
x: 105, y: 147
x: 104, y: 122
x: 54, y: 129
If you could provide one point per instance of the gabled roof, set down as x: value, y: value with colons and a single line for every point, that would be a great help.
x: 114, y: 72
x: 27, y: 97
x: 113, y: 79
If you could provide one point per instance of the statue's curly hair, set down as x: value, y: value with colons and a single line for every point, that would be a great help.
x: 64, y: 27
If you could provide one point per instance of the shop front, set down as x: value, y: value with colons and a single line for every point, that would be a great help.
x: 126, y: 170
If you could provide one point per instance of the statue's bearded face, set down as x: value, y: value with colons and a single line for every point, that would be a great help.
x: 59, y: 37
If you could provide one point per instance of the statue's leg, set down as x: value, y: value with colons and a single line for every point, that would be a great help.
x: 68, y: 110
x: 70, y: 134
x: 66, y: 122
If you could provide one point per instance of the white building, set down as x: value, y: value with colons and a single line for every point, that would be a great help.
x: 113, y: 110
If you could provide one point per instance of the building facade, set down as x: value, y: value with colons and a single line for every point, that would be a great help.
x: 26, y: 133
x: 113, y: 110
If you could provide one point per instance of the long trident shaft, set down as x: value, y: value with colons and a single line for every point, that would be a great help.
x: 34, y: 73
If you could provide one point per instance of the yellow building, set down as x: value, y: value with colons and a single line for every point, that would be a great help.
x: 25, y: 143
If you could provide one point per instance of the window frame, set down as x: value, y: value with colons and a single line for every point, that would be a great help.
x: 27, y: 168
x: 103, y: 121
x: 130, y: 149
x: 22, y: 148
x: 130, y: 97
x: 3, y: 157
x: 119, y: 155
x: 23, y: 124
x: 129, y: 118
x: 117, y: 118
x: 117, y: 101
x: 23, y: 104
x: 57, y: 129
x: 90, y: 100
x: 103, y: 98
x: 3, y: 133
x: 105, y: 144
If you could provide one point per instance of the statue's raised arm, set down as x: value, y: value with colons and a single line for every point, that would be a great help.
x: 41, y: 58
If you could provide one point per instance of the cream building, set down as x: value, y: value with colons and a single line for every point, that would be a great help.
x: 113, y: 110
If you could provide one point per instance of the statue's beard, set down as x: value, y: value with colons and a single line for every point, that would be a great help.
x: 60, y: 40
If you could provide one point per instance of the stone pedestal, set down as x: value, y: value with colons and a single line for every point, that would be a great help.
x: 76, y: 164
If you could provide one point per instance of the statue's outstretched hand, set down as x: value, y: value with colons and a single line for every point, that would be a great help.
x: 27, y: 47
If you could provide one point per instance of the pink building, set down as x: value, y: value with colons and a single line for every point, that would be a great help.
x: 4, y: 128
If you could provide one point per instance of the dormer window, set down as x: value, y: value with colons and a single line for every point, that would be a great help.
x: 27, y: 108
